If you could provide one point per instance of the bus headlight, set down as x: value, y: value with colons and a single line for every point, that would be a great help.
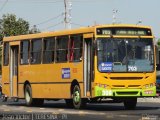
x: 147, y: 86
x: 151, y: 85
x: 105, y: 86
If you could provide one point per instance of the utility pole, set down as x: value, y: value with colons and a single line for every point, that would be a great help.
x: 67, y: 14
x: 139, y: 22
x: 114, y: 16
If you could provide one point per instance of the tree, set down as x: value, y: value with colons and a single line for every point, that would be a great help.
x: 158, y: 42
x: 11, y: 26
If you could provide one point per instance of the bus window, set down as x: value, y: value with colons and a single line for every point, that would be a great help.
x: 62, y: 49
x: 76, y: 48
x: 25, y: 52
x: 48, y: 50
x: 6, y: 54
x: 36, y: 47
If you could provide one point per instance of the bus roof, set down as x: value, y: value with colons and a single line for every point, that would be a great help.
x: 72, y: 31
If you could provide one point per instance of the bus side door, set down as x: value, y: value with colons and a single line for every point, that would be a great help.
x: 14, y: 53
x: 88, y: 63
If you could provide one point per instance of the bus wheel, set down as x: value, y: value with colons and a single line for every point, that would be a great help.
x: 130, y: 103
x: 78, y: 102
x: 28, y: 95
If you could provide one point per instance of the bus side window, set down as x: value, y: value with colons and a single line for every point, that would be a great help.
x: 48, y: 50
x: 76, y: 43
x: 6, y: 54
x: 36, y: 48
x: 62, y: 49
x: 24, y: 52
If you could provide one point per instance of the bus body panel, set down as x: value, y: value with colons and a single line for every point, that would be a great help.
x: 49, y: 81
x: 5, y: 80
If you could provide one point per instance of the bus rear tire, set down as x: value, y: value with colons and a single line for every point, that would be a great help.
x: 28, y: 95
x: 130, y: 103
x: 78, y: 102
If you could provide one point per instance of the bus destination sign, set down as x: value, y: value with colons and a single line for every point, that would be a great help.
x: 124, y: 31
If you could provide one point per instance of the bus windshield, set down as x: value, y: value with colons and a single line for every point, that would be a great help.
x: 125, y: 55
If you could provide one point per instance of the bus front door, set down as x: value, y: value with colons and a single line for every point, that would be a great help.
x: 14, y: 71
x: 87, y: 66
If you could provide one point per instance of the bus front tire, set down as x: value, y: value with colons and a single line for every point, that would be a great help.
x: 78, y: 102
x: 130, y: 103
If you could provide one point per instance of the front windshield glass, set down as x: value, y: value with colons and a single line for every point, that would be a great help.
x: 125, y: 55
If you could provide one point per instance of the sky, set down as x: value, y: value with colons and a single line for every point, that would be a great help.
x: 48, y: 15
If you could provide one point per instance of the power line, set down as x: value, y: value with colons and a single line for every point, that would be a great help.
x: 52, y: 26
x: 3, y: 5
x: 36, y: 1
x: 50, y: 19
x: 77, y: 24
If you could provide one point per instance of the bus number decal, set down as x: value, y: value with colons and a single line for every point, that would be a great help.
x: 106, y: 92
x: 66, y: 73
x: 132, y: 68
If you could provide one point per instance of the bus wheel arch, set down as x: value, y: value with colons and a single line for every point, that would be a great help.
x: 30, y: 101
x: 69, y: 102
x: 74, y: 83
x: 25, y: 83
x: 77, y: 100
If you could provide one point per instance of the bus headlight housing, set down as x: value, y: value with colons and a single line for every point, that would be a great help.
x: 102, y: 85
x: 149, y: 85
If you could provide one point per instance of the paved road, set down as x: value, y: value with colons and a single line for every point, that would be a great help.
x: 58, y: 111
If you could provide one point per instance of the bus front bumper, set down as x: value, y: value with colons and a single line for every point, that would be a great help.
x: 104, y: 92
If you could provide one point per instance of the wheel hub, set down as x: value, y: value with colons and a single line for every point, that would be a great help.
x: 76, y: 97
x: 27, y: 97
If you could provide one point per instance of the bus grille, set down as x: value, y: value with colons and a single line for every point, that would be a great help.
x: 118, y: 86
x: 133, y: 86
x: 127, y: 93
x: 123, y: 86
x: 126, y: 78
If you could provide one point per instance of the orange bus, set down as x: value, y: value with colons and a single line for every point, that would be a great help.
x: 81, y: 65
